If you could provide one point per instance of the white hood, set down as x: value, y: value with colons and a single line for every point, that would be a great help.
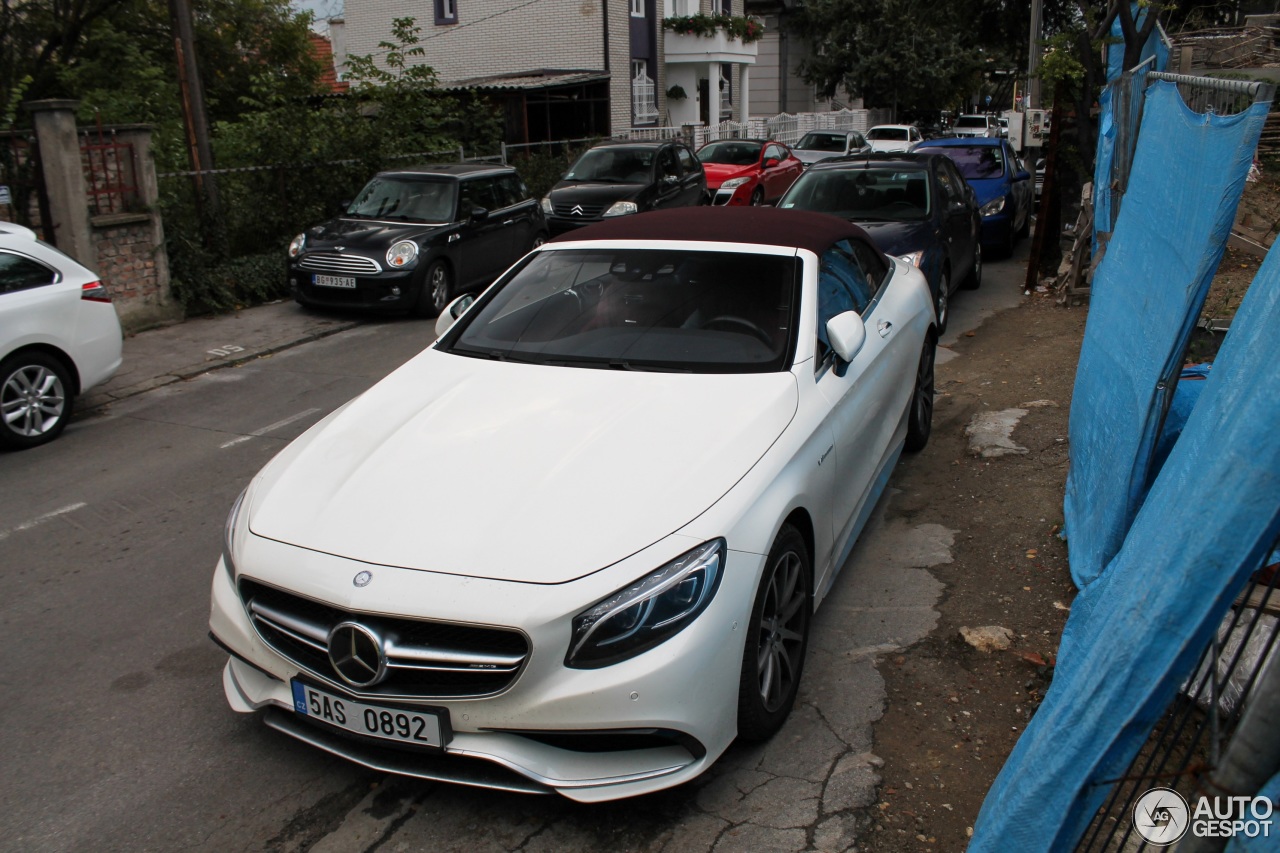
x: 514, y: 471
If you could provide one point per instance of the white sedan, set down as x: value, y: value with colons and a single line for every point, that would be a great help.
x: 888, y: 138
x: 575, y: 545
x: 59, y: 336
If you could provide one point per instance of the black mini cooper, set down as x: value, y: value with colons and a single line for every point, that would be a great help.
x: 414, y: 238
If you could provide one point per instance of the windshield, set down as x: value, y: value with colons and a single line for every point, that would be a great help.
x: 971, y: 121
x: 614, y: 166
x: 405, y: 198
x: 896, y: 134
x: 639, y: 309
x: 862, y: 195
x: 976, y: 162
x: 822, y: 142
x: 733, y: 152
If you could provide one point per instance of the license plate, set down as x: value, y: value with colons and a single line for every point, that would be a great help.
x: 421, y: 727
x: 333, y: 281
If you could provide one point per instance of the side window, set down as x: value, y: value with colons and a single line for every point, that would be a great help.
x: 957, y: 182
x: 688, y: 162
x: 476, y: 193
x: 841, y: 287
x: 509, y: 190
x: 773, y: 152
x: 446, y: 11
x: 858, y: 141
x: 873, y: 264
x: 668, y: 166
x: 19, y: 273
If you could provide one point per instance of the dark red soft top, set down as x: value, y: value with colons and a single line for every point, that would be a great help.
x: 766, y: 226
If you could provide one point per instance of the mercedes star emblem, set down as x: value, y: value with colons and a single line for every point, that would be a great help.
x: 362, y: 579
x: 356, y: 654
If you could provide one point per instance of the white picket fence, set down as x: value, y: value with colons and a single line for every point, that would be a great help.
x: 785, y: 127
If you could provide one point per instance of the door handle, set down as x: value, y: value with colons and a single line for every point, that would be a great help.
x: 509, y: 222
x: 884, y: 328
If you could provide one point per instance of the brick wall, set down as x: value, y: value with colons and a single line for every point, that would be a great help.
x: 133, y: 271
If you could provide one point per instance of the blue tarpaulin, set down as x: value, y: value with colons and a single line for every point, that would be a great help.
x: 1134, y: 636
x: 1188, y: 174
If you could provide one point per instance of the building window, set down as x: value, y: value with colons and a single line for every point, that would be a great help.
x: 644, y: 97
x: 446, y: 11
x: 637, y: 8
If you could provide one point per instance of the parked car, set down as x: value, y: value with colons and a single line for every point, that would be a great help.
x: 624, y: 177
x: 820, y: 144
x: 1003, y: 127
x: 887, y: 138
x: 914, y: 206
x: 414, y: 238
x: 59, y: 337
x: 1002, y: 183
x: 575, y: 545
x: 973, y: 125
x: 748, y: 171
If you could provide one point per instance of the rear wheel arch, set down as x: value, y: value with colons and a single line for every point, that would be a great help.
x: 55, y: 352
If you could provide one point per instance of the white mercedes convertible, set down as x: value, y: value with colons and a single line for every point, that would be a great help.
x: 575, y: 545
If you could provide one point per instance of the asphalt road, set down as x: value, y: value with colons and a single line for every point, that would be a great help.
x: 113, y: 728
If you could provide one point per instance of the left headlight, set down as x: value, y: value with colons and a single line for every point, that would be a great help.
x: 993, y: 207
x: 229, y: 535
x: 402, y: 253
x: 297, y: 244
x: 734, y: 183
x: 914, y: 258
x: 647, y: 612
x: 622, y: 208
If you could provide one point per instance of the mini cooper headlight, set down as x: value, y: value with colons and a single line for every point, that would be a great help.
x: 733, y: 183
x: 297, y: 244
x: 622, y: 208
x: 647, y: 612
x: 229, y: 535
x: 402, y: 253
x: 993, y: 207
x: 546, y: 206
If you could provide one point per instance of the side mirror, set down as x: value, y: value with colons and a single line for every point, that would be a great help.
x: 670, y: 179
x: 479, y: 214
x: 847, y: 334
x: 771, y: 162
x: 452, y: 312
x: 1022, y: 175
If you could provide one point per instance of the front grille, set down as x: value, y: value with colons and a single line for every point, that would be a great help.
x: 425, y: 659
x: 587, y: 211
x: 345, y: 264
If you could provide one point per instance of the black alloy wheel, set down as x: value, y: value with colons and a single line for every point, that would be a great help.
x: 777, y: 638
x: 920, y: 418
x: 437, y: 289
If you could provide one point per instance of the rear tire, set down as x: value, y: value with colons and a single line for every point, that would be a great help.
x: 974, y: 279
x: 920, y: 418
x: 777, y: 638
x: 35, y: 399
x: 942, y: 302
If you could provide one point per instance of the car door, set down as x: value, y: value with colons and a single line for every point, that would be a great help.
x: 777, y: 177
x: 693, y: 179
x: 668, y: 191
x: 1021, y: 180
x: 957, y: 219
x: 867, y: 396
x: 483, y: 243
x: 519, y: 215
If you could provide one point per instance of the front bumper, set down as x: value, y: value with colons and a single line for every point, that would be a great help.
x: 558, y: 225
x: 739, y: 196
x: 390, y: 290
x: 672, y: 709
x: 997, y: 229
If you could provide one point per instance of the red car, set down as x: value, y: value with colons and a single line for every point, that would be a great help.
x: 748, y: 171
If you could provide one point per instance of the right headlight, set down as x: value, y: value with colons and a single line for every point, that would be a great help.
x: 622, y: 208
x: 546, y: 206
x: 229, y: 536
x: 993, y: 207
x: 297, y: 244
x: 649, y: 611
x: 733, y: 183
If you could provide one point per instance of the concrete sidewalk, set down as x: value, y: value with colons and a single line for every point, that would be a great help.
x: 172, y: 353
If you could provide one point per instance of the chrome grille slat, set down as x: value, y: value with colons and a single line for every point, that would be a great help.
x: 350, y: 264
x: 308, y: 632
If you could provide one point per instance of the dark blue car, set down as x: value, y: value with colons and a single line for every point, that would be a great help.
x: 1002, y: 183
x: 915, y: 206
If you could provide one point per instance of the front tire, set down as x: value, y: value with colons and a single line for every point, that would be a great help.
x: 437, y: 289
x: 974, y: 279
x: 35, y: 400
x: 920, y: 418
x: 777, y: 638
x: 757, y: 197
x: 942, y: 302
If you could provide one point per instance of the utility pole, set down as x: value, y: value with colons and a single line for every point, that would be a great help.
x: 1033, y: 58
x: 199, y: 152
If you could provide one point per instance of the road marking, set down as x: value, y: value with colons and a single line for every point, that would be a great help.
x: 27, y: 525
x: 270, y: 428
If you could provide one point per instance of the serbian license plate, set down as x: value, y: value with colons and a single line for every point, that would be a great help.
x: 421, y: 727
x: 333, y: 281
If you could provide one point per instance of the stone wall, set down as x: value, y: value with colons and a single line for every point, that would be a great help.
x: 135, y: 272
